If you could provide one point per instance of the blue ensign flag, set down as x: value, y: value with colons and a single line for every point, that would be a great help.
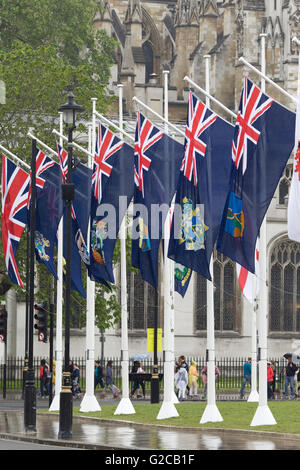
x: 112, y: 191
x: 81, y: 177
x: 202, y: 188
x: 264, y: 138
x: 157, y: 167
x: 49, y: 209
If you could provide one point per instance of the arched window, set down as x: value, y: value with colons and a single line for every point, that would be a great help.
x: 285, y: 287
x: 284, y: 184
x: 148, y: 54
x: 226, y: 296
x: 143, y: 302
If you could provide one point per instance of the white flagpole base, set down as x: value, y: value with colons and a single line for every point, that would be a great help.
x: 253, y: 397
x: 263, y: 417
x: 55, y: 403
x: 125, y: 407
x: 211, y: 415
x: 89, y: 403
x: 167, y: 410
x: 174, y: 398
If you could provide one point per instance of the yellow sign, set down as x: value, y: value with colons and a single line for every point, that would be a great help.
x: 150, y: 339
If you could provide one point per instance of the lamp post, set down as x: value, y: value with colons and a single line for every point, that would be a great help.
x: 69, y: 111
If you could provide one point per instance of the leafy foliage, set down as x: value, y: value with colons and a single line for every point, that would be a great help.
x: 45, y: 46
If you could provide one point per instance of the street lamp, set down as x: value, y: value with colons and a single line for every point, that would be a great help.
x: 69, y: 111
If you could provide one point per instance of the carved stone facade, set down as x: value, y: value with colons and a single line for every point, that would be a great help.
x: 175, y: 35
x: 171, y: 34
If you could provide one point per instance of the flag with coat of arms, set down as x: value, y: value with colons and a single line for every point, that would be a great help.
x: 157, y: 162
x: 202, y: 189
x: 112, y: 189
x: 263, y: 141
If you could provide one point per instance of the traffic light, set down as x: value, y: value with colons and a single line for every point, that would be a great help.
x: 3, y: 325
x: 42, y: 321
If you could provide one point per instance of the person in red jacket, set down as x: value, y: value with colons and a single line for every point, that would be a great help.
x: 270, y: 378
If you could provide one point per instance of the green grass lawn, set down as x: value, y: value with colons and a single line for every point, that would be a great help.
x: 236, y: 415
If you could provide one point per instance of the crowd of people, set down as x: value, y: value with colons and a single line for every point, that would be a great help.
x: 187, y: 379
x: 291, y: 378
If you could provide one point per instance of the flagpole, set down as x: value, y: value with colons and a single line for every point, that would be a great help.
x: 179, y: 131
x: 125, y: 406
x: 253, y: 397
x: 263, y: 415
x: 59, y: 305
x: 168, y: 409
x: 211, y: 413
x: 89, y: 402
x: 210, y: 97
x: 265, y: 78
x: 14, y: 157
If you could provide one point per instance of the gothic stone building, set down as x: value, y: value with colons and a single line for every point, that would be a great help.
x: 154, y: 35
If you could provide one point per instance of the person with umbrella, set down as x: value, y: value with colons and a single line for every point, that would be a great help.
x: 289, y: 372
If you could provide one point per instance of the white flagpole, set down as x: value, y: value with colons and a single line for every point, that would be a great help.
x: 125, y: 406
x: 14, y: 157
x: 59, y: 307
x: 211, y: 413
x: 265, y: 78
x: 263, y: 415
x: 210, y: 97
x: 89, y: 402
x: 253, y: 397
x: 179, y: 131
x: 168, y: 409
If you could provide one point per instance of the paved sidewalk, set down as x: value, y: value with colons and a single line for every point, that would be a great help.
x: 90, y: 433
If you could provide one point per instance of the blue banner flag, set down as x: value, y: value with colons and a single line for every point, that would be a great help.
x: 81, y: 177
x: 264, y: 138
x: 202, y: 188
x: 157, y: 167
x: 49, y: 209
x: 112, y: 191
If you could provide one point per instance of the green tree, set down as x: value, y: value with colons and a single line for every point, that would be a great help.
x: 45, y: 46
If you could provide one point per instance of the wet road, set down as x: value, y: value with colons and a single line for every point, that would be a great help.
x: 116, y: 435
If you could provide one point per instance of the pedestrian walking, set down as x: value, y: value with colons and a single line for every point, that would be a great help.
x: 181, y: 382
x: 204, y: 379
x: 43, y: 379
x: 193, y: 379
x: 75, y: 378
x: 109, y: 381
x: 98, y: 375
x: 289, y: 372
x: 138, y: 381
x: 270, y: 376
x: 273, y: 365
x: 247, y: 376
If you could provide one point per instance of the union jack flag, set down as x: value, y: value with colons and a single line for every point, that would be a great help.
x: 107, y: 145
x: 42, y: 164
x: 15, y: 186
x: 146, y: 135
x: 253, y: 105
x: 199, y: 119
